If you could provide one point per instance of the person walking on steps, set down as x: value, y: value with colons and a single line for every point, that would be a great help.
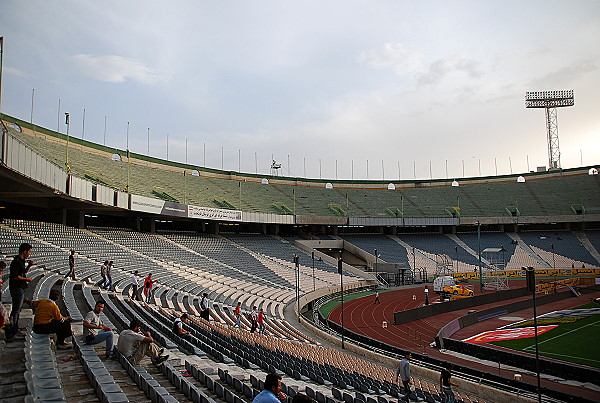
x: 238, y: 315
x: 403, y: 373
x: 71, y: 272
x: 446, y: 384
x: 205, y: 307
x: 18, y: 282
x: 103, y: 269
x: 109, y: 268
x: 135, y: 284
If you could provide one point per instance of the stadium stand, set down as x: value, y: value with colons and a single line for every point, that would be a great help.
x: 226, y: 363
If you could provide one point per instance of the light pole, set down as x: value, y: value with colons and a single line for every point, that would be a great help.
x: 341, y: 295
x: 456, y: 250
x: 313, y: 267
x: 553, y: 254
x: 375, y: 264
x: 530, y: 281
x: 128, y: 162
x: 297, y: 278
x: 479, y: 255
x: 1, y: 61
x: 67, y: 152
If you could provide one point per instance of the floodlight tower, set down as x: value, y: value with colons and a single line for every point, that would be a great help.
x: 550, y: 100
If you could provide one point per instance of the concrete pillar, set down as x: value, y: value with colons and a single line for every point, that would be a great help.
x: 80, y: 219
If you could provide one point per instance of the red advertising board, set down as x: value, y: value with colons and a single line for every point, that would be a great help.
x: 507, y: 334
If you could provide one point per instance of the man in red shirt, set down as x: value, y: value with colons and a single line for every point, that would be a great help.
x: 238, y: 315
x: 148, y: 283
x: 261, y: 322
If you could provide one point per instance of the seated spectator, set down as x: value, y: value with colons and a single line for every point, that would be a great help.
x: 92, y: 323
x: 48, y: 320
x: 272, y: 392
x: 134, y: 345
x: 178, y: 327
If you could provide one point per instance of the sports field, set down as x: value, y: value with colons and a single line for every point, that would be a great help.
x: 575, y: 339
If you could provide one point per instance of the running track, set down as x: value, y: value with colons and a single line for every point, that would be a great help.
x: 364, y: 317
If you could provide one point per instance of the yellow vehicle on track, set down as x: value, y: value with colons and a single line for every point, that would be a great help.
x: 458, y: 289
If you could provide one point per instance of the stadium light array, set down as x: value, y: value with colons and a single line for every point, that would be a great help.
x: 550, y: 100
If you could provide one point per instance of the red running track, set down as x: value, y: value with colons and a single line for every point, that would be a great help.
x: 364, y: 317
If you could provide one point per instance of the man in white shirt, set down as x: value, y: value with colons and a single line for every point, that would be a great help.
x: 253, y: 320
x: 134, y: 345
x: 92, y: 323
x: 205, y: 307
x: 134, y: 287
x: 178, y: 327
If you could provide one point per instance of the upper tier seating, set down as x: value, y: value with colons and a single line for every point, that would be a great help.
x: 538, y: 196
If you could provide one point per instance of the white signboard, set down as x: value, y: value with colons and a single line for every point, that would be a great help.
x: 146, y: 204
x: 209, y: 213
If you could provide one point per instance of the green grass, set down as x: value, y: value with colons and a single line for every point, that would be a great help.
x: 331, y: 305
x: 575, y: 342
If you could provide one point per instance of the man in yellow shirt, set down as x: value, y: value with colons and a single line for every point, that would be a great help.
x: 47, y: 319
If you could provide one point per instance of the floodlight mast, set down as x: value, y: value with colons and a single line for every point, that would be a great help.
x: 550, y: 100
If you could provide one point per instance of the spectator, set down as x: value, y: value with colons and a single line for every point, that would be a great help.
x: 238, y: 315
x: 109, y: 285
x: 261, y: 321
x: 135, y: 346
x: 17, y: 284
x: 272, y: 392
x: 205, y: 307
x: 71, y: 271
x: 48, y: 320
x: 446, y: 384
x: 178, y: 327
x: 403, y: 373
x: 103, y: 270
x: 148, y: 285
x: 92, y: 323
x: 253, y: 318
x: 134, y: 287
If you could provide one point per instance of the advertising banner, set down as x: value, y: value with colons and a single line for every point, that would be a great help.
x: 146, y: 204
x: 507, y: 334
x: 176, y: 209
x: 209, y: 213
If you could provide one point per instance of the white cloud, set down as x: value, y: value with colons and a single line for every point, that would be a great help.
x: 15, y: 72
x: 440, y: 69
x: 391, y: 55
x: 115, y: 69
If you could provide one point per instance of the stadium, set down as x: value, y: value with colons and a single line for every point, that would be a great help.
x: 135, y: 272
x: 235, y: 236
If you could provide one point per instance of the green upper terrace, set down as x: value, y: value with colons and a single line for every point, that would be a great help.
x: 565, y: 192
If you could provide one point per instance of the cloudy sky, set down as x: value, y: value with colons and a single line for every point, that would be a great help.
x: 333, y: 89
